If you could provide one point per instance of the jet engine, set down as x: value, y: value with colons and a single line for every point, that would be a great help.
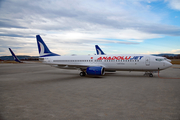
x: 95, y: 70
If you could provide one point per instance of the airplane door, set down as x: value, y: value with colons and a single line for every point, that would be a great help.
x: 147, y: 61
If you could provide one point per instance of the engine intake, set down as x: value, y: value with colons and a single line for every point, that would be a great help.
x: 95, y: 70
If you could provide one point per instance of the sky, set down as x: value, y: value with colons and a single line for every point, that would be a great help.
x: 76, y: 26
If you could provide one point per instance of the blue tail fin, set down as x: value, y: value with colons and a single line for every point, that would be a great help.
x: 43, y: 49
x: 99, y: 51
x: 14, y: 56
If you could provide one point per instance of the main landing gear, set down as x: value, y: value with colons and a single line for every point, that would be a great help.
x: 148, y: 74
x: 82, y: 74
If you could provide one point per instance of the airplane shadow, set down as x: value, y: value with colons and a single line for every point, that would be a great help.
x: 113, y: 74
x: 55, y: 80
x: 75, y: 76
x: 129, y: 75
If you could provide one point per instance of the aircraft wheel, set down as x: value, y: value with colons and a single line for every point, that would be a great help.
x: 82, y: 74
x: 150, y: 75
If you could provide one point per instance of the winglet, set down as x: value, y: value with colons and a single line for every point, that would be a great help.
x: 14, y: 56
x: 99, y: 51
x: 43, y: 49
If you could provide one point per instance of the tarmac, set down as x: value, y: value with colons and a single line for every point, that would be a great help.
x: 34, y: 91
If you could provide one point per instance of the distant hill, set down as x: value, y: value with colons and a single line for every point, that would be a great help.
x: 170, y: 55
x: 21, y: 57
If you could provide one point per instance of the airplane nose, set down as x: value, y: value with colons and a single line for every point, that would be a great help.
x: 168, y: 64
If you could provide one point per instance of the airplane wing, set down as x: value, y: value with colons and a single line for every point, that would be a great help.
x: 78, y: 66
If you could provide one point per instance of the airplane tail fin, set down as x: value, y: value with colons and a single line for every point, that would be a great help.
x: 14, y: 56
x: 99, y: 51
x: 43, y: 49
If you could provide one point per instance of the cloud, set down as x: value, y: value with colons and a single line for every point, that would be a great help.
x: 83, y: 23
x: 17, y: 43
x: 9, y: 24
x: 176, y: 51
x: 15, y: 35
x: 174, y: 4
x: 84, y: 15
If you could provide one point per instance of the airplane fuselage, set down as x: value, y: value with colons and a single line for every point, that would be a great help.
x: 123, y: 62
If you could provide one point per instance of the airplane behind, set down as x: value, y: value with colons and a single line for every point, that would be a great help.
x: 98, y: 64
x: 14, y: 56
x: 99, y: 51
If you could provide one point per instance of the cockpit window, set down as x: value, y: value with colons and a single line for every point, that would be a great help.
x: 159, y: 59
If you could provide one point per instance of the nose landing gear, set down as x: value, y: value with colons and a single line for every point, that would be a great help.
x: 150, y: 75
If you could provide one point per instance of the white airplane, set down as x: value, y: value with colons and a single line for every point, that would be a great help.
x: 98, y: 64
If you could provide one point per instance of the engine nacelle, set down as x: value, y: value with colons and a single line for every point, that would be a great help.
x: 95, y: 70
